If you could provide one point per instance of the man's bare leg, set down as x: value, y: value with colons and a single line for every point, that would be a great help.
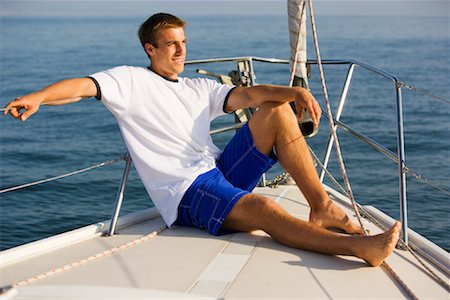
x: 258, y: 212
x: 275, y: 126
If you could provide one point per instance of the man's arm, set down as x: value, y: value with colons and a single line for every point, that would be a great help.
x: 255, y: 96
x: 70, y: 90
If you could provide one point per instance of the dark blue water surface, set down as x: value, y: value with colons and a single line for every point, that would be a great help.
x: 35, y: 52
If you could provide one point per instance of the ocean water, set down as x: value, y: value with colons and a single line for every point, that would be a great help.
x: 35, y: 52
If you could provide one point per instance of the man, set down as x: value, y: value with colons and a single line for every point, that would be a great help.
x: 164, y: 120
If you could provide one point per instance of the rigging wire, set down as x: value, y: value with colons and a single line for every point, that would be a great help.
x: 318, y: 162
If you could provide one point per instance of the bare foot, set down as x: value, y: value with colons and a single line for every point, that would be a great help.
x: 332, y: 216
x: 375, y: 249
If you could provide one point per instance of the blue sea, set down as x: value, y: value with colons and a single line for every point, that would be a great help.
x: 35, y: 52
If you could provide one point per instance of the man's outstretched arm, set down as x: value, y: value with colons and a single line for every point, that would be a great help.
x: 255, y: 96
x: 70, y: 90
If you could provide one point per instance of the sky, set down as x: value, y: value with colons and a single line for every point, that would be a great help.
x: 225, y: 7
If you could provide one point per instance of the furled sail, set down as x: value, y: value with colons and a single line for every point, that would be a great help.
x: 297, y: 37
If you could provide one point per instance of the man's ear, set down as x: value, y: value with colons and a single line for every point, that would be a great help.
x: 149, y: 49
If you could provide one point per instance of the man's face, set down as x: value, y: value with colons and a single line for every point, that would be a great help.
x: 169, y: 54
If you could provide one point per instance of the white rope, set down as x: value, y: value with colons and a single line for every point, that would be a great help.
x: 338, y: 149
x: 91, y: 258
x: 385, y: 265
x: 330, y: 119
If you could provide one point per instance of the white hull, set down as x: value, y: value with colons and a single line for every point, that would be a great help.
x: 183, y: 263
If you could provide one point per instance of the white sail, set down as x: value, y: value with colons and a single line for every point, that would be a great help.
x: 297, y: 39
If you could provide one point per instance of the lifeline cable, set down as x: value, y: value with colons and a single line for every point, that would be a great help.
x: 422, y: 91
x: 98, y: 165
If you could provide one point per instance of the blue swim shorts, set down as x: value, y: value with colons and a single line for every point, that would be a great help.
x: 210, y: 198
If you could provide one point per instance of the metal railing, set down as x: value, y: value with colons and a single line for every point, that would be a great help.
x: 398, y: 158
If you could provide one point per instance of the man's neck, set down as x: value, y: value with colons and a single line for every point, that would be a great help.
x: 165, y: 77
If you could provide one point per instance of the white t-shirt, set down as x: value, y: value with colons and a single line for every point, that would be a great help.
x: 165, y: 125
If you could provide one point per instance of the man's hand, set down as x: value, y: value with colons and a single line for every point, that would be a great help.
x: 23, y: 107
x: 305, y: 100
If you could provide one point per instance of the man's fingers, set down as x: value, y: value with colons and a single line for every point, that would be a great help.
x: 12, y: 110
x: 315, y: 115
x: 15, y: 113
x: 16, y: 107
x: 299, y: 114
x: 315, y: 111
x: 319, y: 114
x: 12, y: 107
x: 28, y: 113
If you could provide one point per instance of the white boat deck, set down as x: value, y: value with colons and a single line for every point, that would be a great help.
x: 186, y: 263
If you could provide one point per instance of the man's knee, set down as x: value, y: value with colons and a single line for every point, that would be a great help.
x: 251, y: 212
x: 271, y: 120
x: 278, y: 117
x: 277, y: 110
x: 258, y: 204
